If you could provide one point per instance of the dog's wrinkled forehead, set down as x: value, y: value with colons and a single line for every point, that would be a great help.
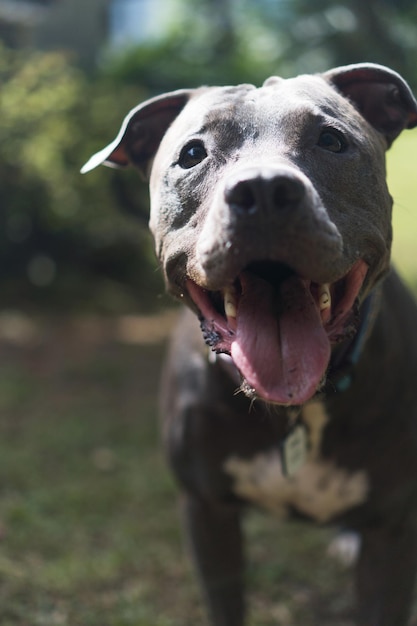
x: 363, y: 98
x: 218, y: 109
x: 243, y: 112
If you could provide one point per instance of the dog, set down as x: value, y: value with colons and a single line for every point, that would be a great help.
x: 272, y: 222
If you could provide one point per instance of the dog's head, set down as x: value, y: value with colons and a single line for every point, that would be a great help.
x: 270, y: 211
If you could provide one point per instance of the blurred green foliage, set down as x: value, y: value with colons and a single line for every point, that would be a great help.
x: 224, y: 41
x: 74, y: 242
x: 63, y: 243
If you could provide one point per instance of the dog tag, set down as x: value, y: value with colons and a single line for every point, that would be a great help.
x: 294, y: 450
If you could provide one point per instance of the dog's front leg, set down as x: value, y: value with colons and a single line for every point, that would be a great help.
x: 386, y: 572
x: 215, y: 533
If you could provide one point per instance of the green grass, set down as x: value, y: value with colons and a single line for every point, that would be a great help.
x: 89, y: 527
x: 88, y: 531
x: 89, y: 524
x: 402, y: 180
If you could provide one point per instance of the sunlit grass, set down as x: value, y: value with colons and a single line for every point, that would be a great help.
x: 402, y: 179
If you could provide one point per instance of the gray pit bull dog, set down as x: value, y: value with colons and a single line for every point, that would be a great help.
x: 272, y: 221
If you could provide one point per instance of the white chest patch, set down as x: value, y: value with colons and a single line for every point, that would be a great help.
x: 319, y: 488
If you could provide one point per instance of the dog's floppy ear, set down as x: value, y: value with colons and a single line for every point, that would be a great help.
x: 141, y: 133
x: 381, y: 95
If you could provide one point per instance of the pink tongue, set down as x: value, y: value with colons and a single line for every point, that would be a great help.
x: 281, y: 354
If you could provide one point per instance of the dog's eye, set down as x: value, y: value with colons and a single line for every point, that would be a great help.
x: 332, y: 140
x: 192, y: 154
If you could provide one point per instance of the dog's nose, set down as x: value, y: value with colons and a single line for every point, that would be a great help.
x: 248, y: 194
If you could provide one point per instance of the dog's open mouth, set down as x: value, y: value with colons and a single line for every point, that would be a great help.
x: 279, y: 327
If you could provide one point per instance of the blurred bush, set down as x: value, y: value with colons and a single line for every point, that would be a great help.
x: 64, y: 244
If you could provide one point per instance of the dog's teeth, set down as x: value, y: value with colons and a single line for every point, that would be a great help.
x: 325, y: 300
x: 230, y: 303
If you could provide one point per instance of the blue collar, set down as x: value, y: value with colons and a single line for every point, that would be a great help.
x: 341, y: 370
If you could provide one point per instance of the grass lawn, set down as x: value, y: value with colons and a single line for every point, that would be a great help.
x: 89, y: 532
x: 402, y: 178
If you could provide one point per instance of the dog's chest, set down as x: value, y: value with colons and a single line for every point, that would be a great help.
x: 318, y: 489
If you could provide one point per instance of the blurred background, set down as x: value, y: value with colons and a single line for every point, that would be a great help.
x: 70, y: 70
x: 88, y: 522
